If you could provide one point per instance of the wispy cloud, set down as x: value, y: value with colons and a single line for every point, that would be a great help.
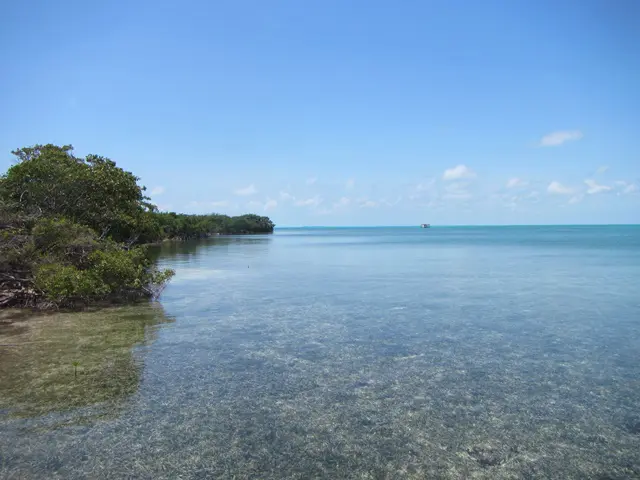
x: 349, y: 184
x: 457, y: 196
x: 602, y: 169
x: 516, y: 183
x: 626, y: 188
x: 426, y: 186
x: 246, y: 191
x: 594, y: 188
x: 458, y: 172
x: 343, y: 202
x: 324, y: 211
x: 286, y: 196
x: 514, y: 200
x: 312, y: 180
x: 364, y: 203
x: 159, y: 190
x: 270, y: 204
x: 309, y: 202
x: 576, y: 199
x: 457, y: 191
x: 557, y: 188
x: 511, y: 201
x: 554, y: 139
x: 390, y: 203
x: 208, y: 204
x: 254, y: 204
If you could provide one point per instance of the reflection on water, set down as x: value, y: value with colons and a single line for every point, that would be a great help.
x: 58, y: 362
x: 437, y: 354
x: 190, y: 248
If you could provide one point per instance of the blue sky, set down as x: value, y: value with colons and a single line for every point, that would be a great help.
x: 331, y: 112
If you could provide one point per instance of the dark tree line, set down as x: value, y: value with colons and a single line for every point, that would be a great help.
x: 181, y: 226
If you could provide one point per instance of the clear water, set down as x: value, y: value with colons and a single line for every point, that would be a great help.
x: 344, y: 353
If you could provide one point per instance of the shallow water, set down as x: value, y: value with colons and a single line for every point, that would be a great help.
x: 343, y: 353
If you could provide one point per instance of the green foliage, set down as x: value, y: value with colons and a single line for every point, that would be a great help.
x: 91, y: 191
x: 109, y: 271
x: 182, y: 226
x: 76, y: 267
x: 71, y: 230
x: 64, y: 238
x: 126, y: 270
x: 250, y: 223
x: 66, y: 284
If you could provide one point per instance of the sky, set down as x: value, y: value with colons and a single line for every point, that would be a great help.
x: 332, y: 112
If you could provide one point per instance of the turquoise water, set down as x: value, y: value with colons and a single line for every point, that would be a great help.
x: 494, y: 352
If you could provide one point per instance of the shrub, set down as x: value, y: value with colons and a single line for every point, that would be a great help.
x: 111, y: 273
x: 66, y: 285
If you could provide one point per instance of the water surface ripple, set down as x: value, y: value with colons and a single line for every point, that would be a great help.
x: 343, y: 353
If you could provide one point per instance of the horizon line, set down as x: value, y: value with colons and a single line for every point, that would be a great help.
x: 467, y: 225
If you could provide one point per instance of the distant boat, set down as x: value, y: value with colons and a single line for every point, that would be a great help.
x: 424, y: 225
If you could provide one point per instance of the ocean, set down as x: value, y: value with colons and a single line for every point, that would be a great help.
x: 448, y: 352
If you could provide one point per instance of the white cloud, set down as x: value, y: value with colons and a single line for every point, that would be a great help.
x: 558, y: 189
x: 309, y: 202
x: 246, y: 191
x: 554, y: 139
x: 312, y: 180
x: 270, y: 203
x: 157, y: 190
x: 286, y: 197
x: 368, y: 204
x: 602, y: 169
x: 350, y: 184
x: 458, y: 172
x: 221, y: 203
x: 576, y: 199
x: 595, y: 188
x: 516, y: 182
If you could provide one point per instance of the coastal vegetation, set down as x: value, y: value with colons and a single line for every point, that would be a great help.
x: 73, y: 231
